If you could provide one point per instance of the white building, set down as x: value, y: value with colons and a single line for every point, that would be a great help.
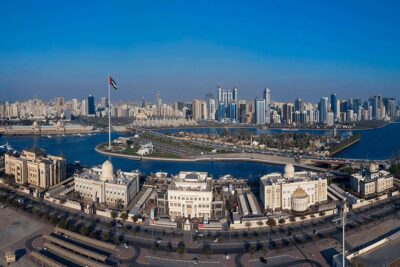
x: 295, y: 191
x: 102, y: 185
x: 190, y: 195
x: 145, y: 149
x: 371, y: 181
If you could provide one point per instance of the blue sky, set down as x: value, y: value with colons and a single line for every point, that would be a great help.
x: 182, y: 49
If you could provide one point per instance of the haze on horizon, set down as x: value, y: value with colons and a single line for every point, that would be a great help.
x: 182, y: 50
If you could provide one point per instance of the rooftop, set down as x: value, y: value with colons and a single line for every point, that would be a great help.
x: 191, y: 181
x: 302, y: 176
x: 120, y: 177
x: 367, y: 175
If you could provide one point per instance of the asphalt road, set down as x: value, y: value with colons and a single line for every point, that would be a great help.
x: 233, y: 242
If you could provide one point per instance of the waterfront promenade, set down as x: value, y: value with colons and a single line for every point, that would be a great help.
x: 244, y: 157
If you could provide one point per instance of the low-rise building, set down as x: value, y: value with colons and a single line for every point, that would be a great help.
x: 295, y: 191
x: 102, y: 185
x: 145, y: 149
x: 371, y: 181
x: 35, y: 168
x: 190, y: 195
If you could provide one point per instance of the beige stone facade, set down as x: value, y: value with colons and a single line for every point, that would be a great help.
x: 190, y: 195
x: 371, y: 181
x: 35, y: 168
x: 295, y: 191
x: 102, y: 185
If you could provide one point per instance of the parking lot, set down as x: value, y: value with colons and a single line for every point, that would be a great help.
x: 15, y: 230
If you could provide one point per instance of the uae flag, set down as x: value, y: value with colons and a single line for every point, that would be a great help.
x: 112, y: 83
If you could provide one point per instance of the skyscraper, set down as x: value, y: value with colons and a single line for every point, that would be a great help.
x: 298, y: 104
x: 211, y: 109
x: 219, y: 93
x: 84, y: 108
x: 288, y: 111
x: 259, y: 113
x: 267, y: 98
x: 334, y: 105
x: 59, y: 103
x: 235, y: 94
x: 323, y: 109
x: 143, y: 102
x: 232, y: 111
x: 221, y: 111
x: 91, y: 106
x: 196, y: 109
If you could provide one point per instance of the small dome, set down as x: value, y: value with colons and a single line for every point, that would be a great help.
x: 107, y: 171
x: 372, y: 167
x: 299, y: 193
x: 289, y: 171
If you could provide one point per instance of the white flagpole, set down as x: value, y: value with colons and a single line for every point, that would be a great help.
x: 109, y: 113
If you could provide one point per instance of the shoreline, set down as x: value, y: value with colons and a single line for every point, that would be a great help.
x: 272, y: 128
x: 204, y: 127
x: 218, y: 158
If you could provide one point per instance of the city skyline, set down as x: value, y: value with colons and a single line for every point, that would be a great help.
x: 291, y: 48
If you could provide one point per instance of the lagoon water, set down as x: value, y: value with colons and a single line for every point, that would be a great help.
x: 82, y: 149
x: 381, y: 143
x: 375, y: 144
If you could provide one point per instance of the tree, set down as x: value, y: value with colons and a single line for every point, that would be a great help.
x: 260, y: 223
x: 118, y: 239
x: 105, y: 236
x: 120, y: 204
x: 248, y: 225
x: 154, y: 247
x: 271, y: 222
x: 84, y: 230
x: 53, y: 219
x: 114, y: 214
x: 252, y: 249
x: 207, y: 249
x: 72, y: 227
x: 62, y: 224
x: 180, y: 249
x: 124, y: 216
x: 282, y: 221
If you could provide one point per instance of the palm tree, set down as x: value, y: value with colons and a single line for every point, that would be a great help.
x: 248, y: 225
x: 124, y: 216
x: 260, y: 223
x: 271, y: 222
x: 114, y: 214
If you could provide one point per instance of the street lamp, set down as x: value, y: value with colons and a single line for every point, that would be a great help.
x: 342, y: 218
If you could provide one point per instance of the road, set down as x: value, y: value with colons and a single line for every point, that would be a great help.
x: 229, y: 241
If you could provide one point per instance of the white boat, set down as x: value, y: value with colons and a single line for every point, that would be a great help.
x: 49, y: 136
x: 6, y: 147
x: 80, y: 135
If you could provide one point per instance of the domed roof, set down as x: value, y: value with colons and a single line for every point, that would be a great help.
x: 299, y: 193
x: 107, y: 171
x: 289, y: 171
x: 372, y: 167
